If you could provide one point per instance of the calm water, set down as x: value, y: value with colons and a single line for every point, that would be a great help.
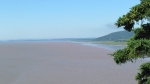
x: 62, y: 63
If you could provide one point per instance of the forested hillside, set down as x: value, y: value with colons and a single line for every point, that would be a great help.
x: 116, y: 36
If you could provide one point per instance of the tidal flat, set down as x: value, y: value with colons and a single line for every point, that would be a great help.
x: 61, y: 63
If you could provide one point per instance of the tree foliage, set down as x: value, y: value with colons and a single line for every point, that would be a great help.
x: 143, y: 76
x: 138, y: 46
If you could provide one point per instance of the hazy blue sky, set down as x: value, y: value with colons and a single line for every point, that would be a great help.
x: 41, y: 19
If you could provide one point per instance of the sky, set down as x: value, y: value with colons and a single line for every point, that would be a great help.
x: 49, y: 19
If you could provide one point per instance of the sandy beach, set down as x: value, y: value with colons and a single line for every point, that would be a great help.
x: 61, y: 63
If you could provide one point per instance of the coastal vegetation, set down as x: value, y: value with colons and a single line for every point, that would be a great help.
x: 120, y: 36
x: 138, y: 46
x: 111, y: 42
x: 115, y: 38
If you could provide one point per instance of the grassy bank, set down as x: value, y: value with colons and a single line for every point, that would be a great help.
x: 106, y: 42
x: 113, y: 42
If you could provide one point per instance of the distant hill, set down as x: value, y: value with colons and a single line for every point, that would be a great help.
x: 116, y: 36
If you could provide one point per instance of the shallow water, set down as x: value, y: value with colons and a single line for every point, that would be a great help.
x: 61, y: 63
x: 105, y: 46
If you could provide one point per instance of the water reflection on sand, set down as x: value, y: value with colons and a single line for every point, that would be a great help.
x: 105, y: 46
